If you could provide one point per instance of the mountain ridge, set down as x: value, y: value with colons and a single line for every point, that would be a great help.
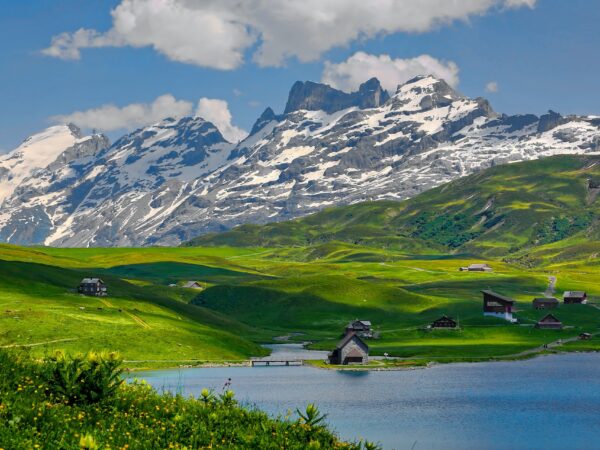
x: 530, y: 212
x: 174, y: 180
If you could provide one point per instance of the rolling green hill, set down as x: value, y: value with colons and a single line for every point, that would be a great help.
x: 395, y: 264
x: 534, y: 211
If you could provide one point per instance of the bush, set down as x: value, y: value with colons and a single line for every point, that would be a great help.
x: 88, y: 378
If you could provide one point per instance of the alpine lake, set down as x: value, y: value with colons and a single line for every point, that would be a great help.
x: 548, y: 402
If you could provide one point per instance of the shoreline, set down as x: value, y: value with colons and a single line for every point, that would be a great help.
x: 320, y: 364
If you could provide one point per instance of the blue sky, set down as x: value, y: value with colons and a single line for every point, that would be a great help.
x: 541, y: 54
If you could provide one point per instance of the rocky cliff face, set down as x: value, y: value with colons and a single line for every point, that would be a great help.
x: 177, y: 179
x: 321, y: 97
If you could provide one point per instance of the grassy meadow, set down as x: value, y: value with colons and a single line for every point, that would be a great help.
x: 254, y: 295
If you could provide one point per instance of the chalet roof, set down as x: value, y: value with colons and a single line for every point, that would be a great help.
x: 191, y: 284
x: 346, y: 339
x: 444, y: 318
x: 545, y: 300
x: 576, y: 294
x: 549, y: 318
x: 355, y: 353
x: 498, y: 296
x: 366, y: 323
x: 91, y: 280
x: 478, y: 266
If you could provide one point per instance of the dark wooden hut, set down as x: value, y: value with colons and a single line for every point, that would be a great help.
x: 571, y: 297
x: 444, y: 322
x: 362, y: 328
x: 497, y: 305
x: 545, y: 303
x: 549, y: 322
x: 92, y: 286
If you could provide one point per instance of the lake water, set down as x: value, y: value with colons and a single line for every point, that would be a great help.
x: 550, y: 402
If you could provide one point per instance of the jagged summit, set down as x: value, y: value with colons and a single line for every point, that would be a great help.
x: 312, y: 96
x: 179, y: 178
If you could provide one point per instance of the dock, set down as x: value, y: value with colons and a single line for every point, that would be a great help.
x: 277, y: 362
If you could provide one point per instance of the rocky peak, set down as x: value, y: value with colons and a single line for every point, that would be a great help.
x: 322, y: 97
x: 371, y: 94
x: 550, y: 120
x: 267, y: 116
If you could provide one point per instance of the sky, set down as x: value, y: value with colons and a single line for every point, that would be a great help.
x: 117, y: 65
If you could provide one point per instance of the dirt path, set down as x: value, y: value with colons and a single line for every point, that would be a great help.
x: 551, y: 286
x: 133, y: 317
x: 39, y: 343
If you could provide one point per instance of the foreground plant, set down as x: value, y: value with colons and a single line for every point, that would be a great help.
x: 81, y: 402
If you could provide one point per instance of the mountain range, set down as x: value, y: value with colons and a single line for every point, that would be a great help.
x: 179, y: 178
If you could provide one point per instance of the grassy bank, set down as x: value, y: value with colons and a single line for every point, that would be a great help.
x: 82, y: 403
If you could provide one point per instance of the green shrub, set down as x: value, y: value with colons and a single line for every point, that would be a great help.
x: 88, y: 378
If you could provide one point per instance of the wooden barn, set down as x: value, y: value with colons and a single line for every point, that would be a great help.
x: 572, y: 297
x: 545, y: 303
x: 362, y: 328
x: 444, y: 322
x: 350, y: 350
x: 549, y: 322
x: 584, y: 336
x: 193, y: 285
x: 497, y: 305
x: 476, y: 268
x: 92, y: 286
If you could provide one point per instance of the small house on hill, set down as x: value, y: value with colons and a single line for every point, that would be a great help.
x: 584, y: 336
x: 193, y: 285
x: 575, y: 297
x: 93, y: 287
x: 549, y: 322
x: 362, y: 328
x: 545, y: 303
x: 476, y: 268
x: 350, y: 350
x: 497, y: 305
x: 444, y: 322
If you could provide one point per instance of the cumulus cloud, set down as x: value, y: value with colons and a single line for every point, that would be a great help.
x: 492, y: 86
x: 361, y: 66
x: 111, y: 117
x: 217, y: 111
x: 217, y: 33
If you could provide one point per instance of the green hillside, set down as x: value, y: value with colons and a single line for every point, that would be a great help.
x: 545, y: 206
x: 395, y: 264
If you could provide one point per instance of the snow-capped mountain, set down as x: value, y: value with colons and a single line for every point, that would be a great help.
x: 179, y: 178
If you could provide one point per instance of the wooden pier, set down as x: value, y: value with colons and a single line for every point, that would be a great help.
x: 277, y: 362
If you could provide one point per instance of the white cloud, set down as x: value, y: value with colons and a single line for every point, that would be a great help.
x: 357, y: 69
x: 217, y: 111
x: 492, y: 86
x: 111, y: 117
x: 217, y: 33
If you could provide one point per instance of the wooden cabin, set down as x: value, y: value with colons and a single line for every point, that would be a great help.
x: 350, y: 350
x: 549, y: 322
x: 571, y: 297
x: 584, y: 336
x: 444, y: 322
x: 193, y: 285
x: 497, y: 305
x: 545, y: 303
x: 476, y: 268
x: 92, y: 286
x: 362, y: 328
